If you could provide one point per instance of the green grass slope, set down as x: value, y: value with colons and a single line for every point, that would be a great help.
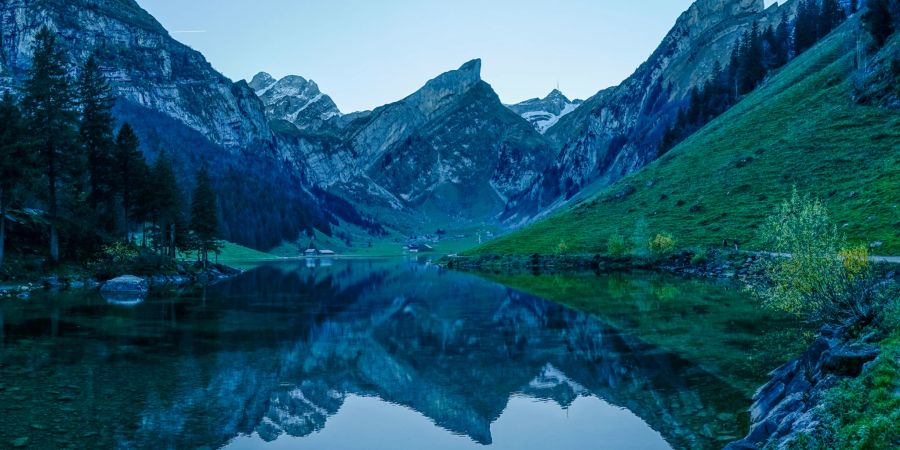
x: 799, y: 129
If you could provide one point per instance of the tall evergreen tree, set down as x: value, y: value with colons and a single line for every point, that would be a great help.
x: 806, y: 26
x: 15, y: 160
x: 830, y: 16
x: 204, y: 216
x: 166, y: 204
x: 752, y: 68
x: 132, y: 173
x: 783, y: 38
x: 854, y: 6
x: 96, y: 132
x: 51, y: 119
x: 878, y: 20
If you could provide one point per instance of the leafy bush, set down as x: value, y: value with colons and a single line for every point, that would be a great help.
x: 662, y: 245
x: 617, y: 246
x: 816, y: 275
x: 699, y: 257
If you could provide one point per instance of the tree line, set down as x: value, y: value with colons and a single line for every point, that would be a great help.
x: 60, y: 150
x: 756, y: 54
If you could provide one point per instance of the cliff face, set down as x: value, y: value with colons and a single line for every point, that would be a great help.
x: 144, y: 64
x: 617, y: 131
x: 450, y: 150
x: 295, y: 100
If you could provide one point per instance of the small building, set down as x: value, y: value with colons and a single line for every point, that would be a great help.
x: 311, y: 252
x: 326, y: 253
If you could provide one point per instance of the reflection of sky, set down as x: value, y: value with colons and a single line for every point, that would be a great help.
x: 526, y: 423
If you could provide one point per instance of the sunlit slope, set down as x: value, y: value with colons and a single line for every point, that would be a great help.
x: 800, y: 128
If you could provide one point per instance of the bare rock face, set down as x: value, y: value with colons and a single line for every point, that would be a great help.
x: 145, y: 64
x: 450, y: 150
x: 296, y: 100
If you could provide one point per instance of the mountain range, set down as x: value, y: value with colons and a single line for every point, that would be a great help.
x: 450, y: 155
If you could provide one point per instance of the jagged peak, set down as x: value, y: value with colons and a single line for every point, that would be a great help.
x: 445, y: 87
x: 261, y: 81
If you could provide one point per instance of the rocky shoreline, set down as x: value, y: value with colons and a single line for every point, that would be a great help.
x: 213, y: 274
x: 788, y: 406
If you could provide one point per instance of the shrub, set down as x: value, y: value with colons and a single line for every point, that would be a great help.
x: 816, y: 276
x: 617, y: 246
x: 663, y: 244
x: 562, y: 248
x: 699, y: 257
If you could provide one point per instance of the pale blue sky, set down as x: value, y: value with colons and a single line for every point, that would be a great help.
x: 365, y: 53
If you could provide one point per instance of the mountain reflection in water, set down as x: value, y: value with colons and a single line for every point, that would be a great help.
x: 365, y: 354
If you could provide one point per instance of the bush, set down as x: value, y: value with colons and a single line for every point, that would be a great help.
x: 699, y: 257
x: 617, y: 246
x: 816, y: 275
x: 662, y: 245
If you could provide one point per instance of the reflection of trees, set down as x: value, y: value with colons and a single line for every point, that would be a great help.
x: 278, y: 350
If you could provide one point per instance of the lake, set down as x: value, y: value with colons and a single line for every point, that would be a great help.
x: 390, y: 354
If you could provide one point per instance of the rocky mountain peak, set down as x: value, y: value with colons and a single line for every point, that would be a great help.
x: 545, y: 112
x: 446, y: 88
x: 294, y: 99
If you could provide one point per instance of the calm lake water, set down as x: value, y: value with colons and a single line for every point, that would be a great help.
x: 389, y: 354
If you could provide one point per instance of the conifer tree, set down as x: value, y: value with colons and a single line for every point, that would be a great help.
x: 166, y: 204
x: 51, y: 120
x: 878, y: 20
x: 15, y: 160
x: 96, y: 133
x: 783, y: 38
x: 204, y: 216
x: 830, y: 16
x: 806, y: 27
x: 132, y: 171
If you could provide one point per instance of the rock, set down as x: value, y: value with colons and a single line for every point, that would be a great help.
x: 849, y: 361
x: 52, y: 283
x: 19, y: 442
x: 23, y: 296
x: 126, y: 284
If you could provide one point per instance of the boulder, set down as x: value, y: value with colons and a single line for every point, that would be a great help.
x: 849, y: 360
x: 126, y: 284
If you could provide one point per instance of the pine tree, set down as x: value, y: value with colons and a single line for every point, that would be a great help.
x: 752, y: 69
x: 854, y: 6
x: 15, y: 160
x: 166, y: 204
x: 830, y: 16
x: 96, y: 132
x: 806, y: 27
x: 132, y: 173
x: 204, y: 216
x: 878, y: 20
x: 51, y: 119
x: 783, y: 37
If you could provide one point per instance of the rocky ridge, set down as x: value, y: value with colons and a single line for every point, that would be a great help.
x: 296, y: 100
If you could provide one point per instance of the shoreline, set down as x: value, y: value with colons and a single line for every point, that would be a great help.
x: 214, y: 274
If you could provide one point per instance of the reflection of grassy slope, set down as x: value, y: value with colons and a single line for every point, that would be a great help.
x: 716, y: 327
x: 801, y: 128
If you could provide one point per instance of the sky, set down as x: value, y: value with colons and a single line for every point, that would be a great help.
x: 366, y: 53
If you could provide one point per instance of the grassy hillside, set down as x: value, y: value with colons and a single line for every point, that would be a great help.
x: 800, y: 128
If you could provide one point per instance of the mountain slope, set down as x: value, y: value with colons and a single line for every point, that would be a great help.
x: 801, y: 128
x: 616, y: 132
x: 449, y: 154
x: 545, y: 112
x: 144, y: 63
x: 179, y: 104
